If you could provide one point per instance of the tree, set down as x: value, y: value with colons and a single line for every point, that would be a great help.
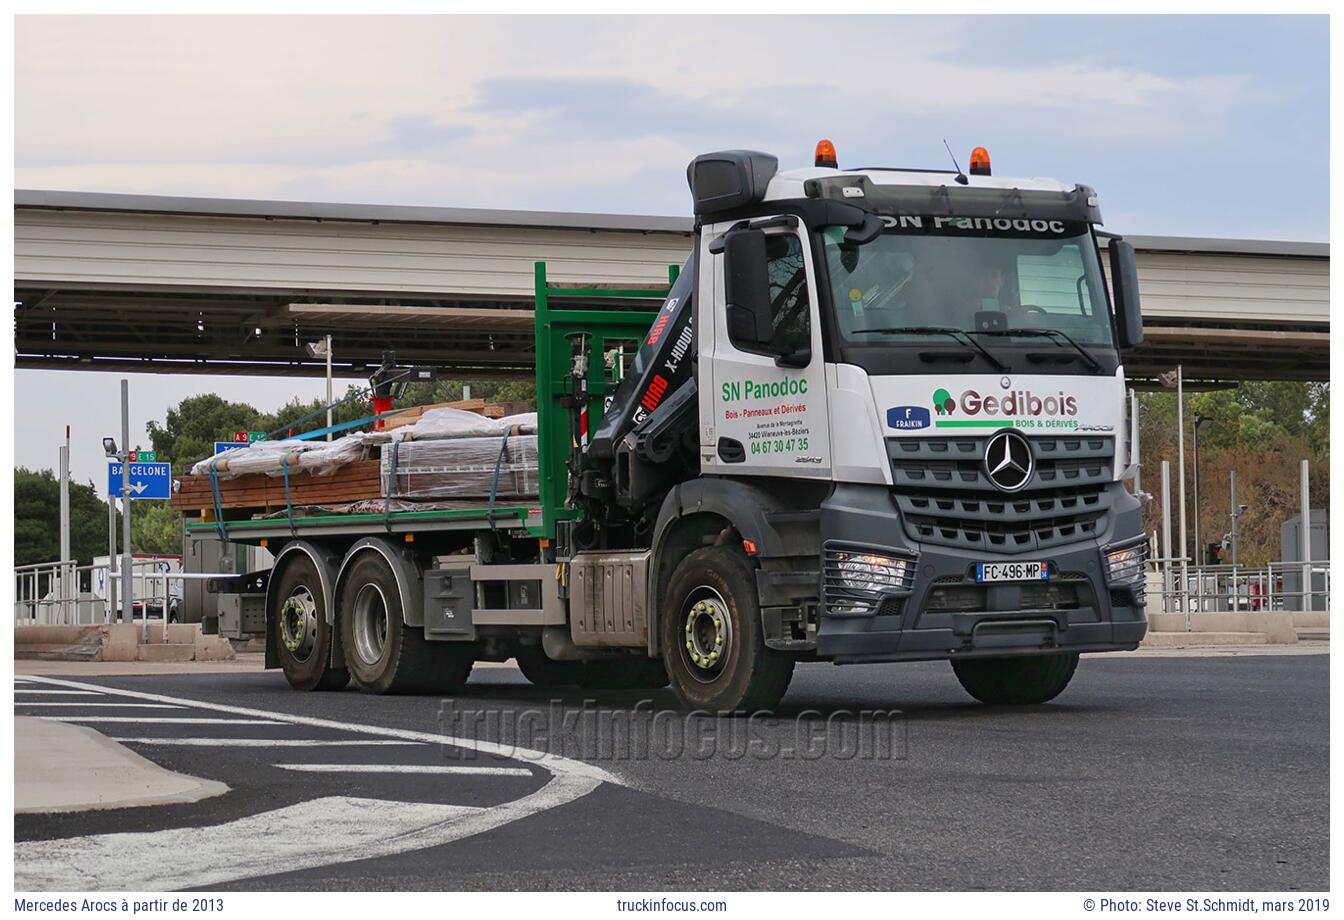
x: 190, y: 431
x: 1260, y: 429
x: 37, y: 519
x: 501, y: 391
x: 352, y: 406
x: 156, y: 528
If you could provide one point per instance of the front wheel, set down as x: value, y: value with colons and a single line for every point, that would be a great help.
x: 1017, y: 681
x: 713, y: 646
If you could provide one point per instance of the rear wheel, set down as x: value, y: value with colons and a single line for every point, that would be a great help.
x: 1025, y: 680
x: 382, y: 653
x: 713, y: 645
x: 302, y: 631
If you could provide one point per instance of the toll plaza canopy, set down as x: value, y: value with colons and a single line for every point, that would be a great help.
x: 199, y: 285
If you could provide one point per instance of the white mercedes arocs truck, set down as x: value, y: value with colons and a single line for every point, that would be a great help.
x: 879, y: 416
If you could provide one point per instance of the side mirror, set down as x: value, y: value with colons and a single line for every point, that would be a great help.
x: 747, y: 289
x: 1125, y: 291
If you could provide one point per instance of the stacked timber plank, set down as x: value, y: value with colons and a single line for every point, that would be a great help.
x: 260, y: 492
x: 446, y: 452
x: 479, y: 406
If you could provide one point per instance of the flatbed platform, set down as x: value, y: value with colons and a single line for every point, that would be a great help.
x: 468, y: 517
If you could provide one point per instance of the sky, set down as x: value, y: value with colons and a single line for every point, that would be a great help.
x: 1185, y: 125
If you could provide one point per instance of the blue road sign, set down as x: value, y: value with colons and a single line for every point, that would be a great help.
x: 221, y: 446
x: 148, y: 480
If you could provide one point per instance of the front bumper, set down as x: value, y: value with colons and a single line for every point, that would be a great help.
x: 945, y: 614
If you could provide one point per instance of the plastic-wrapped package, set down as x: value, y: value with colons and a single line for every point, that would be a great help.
x: 327, y: 457
x: 525, y: 422
x: 454, y: 423
x: 322, y: 458
x: 461, y: 468
x: 258, y: 457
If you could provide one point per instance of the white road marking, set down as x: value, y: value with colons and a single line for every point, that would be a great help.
x: 63, y: 692
x: 402, y: 768
x: 109, y: 705
x: 310, y: 834
x: 176, y: 859
x: 161, y: 720
x: 261, y: 742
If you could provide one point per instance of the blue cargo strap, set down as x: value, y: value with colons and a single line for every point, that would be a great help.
x: 297, y: 422
x: 390, y: 486
x: 494, y: 483
x: 289, y: 505
x: 358, y: 394
x: 219, y: 505
x: 309, y: 435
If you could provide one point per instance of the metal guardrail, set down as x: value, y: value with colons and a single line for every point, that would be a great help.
x: 65, y: 593
x: 1277, y: 586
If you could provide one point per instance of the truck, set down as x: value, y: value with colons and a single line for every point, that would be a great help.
x: 878, y: 415
x: 147, y: 581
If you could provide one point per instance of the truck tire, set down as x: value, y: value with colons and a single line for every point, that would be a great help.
x: 624, y: 674
x: 301, y: 630
x: 713, y: 646
x: 1016, y: 681
x: 542, y: 671
x: 382, y: 653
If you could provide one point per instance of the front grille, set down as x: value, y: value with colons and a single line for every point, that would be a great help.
x: 946, y: 498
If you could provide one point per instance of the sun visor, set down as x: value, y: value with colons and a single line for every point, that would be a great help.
x: 1079, y: 203
x: 729, y: 179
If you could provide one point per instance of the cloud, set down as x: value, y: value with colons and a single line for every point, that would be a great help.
x: 604, y: 112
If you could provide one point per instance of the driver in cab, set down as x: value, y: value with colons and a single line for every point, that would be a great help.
x: 924, y: 287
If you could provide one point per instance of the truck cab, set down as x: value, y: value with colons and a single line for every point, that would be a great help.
x: 910, y: 426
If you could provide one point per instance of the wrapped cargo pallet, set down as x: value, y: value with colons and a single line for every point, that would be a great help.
x: 461, y: 468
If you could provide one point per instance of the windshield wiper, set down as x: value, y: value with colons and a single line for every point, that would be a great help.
x: 958, y: 334
x: 1054, y: 335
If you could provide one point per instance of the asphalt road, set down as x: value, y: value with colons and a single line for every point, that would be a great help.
x: 1147, y: 773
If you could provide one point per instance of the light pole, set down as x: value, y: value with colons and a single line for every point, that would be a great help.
x: 127, y: 588
x: 1237, y: 511
x: 67, y: 573
x: 1176, y: 378
x: 1194, y: 430
x: 322, y: 349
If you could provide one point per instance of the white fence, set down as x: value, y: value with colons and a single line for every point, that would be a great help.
x: 68, y: 594
x: 1176, y: 586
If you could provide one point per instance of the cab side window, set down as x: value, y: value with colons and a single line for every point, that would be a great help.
x: 788, y: 291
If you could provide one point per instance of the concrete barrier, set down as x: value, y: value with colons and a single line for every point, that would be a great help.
x: 1278, y: 627
x: 119, y: 642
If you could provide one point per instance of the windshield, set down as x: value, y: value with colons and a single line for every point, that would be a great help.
x: 977, y: 275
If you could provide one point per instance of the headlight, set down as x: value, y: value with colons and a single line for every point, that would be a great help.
x: 1125, y: 566
x: 857, y: 581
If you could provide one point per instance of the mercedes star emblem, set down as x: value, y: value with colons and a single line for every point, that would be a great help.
x: 1008, y: 461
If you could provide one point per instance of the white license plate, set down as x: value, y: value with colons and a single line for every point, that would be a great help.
x: 1011, y: 571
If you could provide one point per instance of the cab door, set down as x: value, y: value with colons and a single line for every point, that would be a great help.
x: 765, y: 410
